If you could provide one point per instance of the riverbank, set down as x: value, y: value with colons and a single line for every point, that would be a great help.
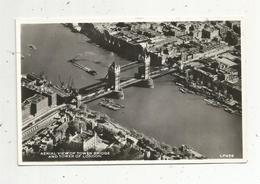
x: 176, y: 118
x: 213, y: 98
x: 109, y: 140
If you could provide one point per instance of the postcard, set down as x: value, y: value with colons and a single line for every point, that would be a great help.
x: 130, y: 91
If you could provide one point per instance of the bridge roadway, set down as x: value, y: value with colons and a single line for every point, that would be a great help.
x: 130, y: 65
x: 102, y: 91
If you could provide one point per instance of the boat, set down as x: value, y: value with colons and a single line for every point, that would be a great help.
x: 182, y: 90
x: 91, y: 72
x: 113, y: 103
x: 31, y: 46
x: 212, y: 102
x: 190, y: 91
x: 72, y: 60
x: 227, y: 109
x: 85, y: 68
x: 108, y: 105
x: 208, y: 101
x: 216, y: 104
x: 179, y: 84
x: 118, y: 105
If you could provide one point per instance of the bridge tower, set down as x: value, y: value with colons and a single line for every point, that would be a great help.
x: 183, y: 60
x: 144, y: 72
x: 114, y: 81
x: 78, y: 100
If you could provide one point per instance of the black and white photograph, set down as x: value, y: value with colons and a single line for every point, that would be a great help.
x: 141, y: 92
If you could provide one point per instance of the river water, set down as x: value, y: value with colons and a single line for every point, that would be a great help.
x: 163, y: 112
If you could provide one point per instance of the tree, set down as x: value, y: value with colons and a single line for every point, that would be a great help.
x: 71, y: 129
x: 231, y: 38
x: 214, y: 65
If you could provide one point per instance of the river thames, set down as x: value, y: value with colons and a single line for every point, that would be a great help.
x: 163, y: 112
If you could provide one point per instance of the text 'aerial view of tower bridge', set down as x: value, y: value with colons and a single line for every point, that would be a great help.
x: 131, y: 91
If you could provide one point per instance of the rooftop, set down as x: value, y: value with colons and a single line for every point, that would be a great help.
x: 229, y: 56
x: 226, y: 61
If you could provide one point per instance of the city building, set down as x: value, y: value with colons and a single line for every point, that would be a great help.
x: 210, y: 33
x: 225, y: 63
x: 75, y: 143
x: 39, y: 104
x: 26, y: 110
x: 94, y: 143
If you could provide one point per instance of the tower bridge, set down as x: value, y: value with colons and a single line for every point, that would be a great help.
x: 103, y: 83
x: 113, y: 84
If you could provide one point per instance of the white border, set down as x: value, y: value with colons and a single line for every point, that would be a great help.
x: 20, y: 21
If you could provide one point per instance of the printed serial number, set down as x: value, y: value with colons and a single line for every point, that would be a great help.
x: 226, y: 156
